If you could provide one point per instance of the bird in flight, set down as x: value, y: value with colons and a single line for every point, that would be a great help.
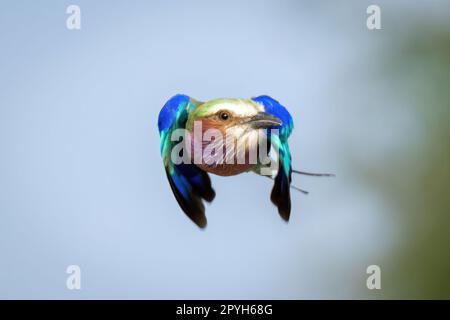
x: 225, y: 137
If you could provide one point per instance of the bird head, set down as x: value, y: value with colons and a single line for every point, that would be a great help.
x: 237, y: 121
x: 232, y: 116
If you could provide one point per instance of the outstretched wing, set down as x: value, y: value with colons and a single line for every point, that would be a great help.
x: 189, y: 184
x: 281, y: 193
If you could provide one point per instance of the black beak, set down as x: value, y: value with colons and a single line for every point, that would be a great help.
x: 263, y: 120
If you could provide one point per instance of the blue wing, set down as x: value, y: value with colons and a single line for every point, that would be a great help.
x: 276, y: 109
x: 281, y: 193
x: 189, y: 184
x: 168, y: 114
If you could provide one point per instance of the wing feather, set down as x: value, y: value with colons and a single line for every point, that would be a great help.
x: 281, y: 192
x: 190, y: 185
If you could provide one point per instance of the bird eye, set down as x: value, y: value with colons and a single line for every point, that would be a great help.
x: 223, y: 115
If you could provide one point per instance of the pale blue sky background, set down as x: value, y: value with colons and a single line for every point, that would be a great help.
x: 81, y: 180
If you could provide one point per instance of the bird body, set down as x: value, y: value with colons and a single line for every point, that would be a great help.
x: 225, y: 137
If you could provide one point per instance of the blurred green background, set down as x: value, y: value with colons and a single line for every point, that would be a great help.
x: 413, y: 178
x: 403, y: 101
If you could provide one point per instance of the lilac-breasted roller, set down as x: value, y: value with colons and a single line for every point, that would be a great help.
x: 241, y: 122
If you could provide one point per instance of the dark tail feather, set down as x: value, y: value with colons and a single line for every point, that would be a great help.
x: 281, y: 194
x: 199, y: 180
x: 189, y: 198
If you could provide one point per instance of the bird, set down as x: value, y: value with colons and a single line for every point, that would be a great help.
x: 258, y: 126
